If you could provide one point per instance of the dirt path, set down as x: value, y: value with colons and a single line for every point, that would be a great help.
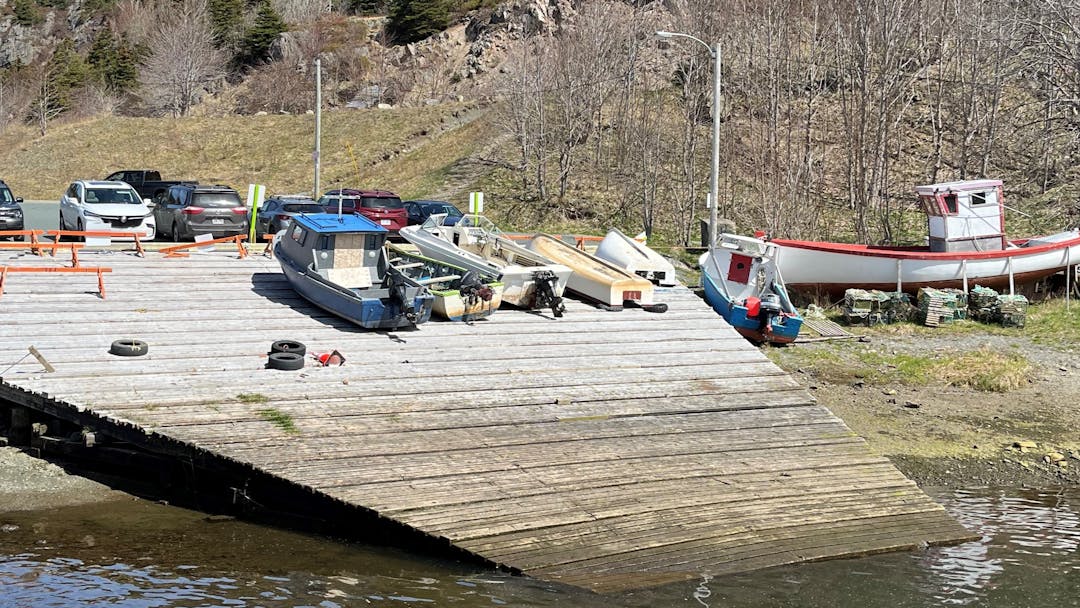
x: 940, y: 432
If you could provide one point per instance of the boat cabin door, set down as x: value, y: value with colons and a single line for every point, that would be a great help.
x: 964, y: 216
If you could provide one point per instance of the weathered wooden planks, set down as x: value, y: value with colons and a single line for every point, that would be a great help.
x: 608, y: 450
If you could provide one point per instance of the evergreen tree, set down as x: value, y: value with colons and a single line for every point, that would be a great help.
x: 226, y: 17
x: 263, y: 32
x: 26, y: 12
x: 412, y: 20
x: 114, y: 61
x: 68, y: 71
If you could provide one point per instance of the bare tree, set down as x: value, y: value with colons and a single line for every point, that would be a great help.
x: 183, y: 59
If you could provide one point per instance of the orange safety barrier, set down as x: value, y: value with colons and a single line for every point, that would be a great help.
x: 269, y: 238
x: 32, y: 245
x: 111, y: 234
x: 4, y: 270
x: 38, y: 246
x: 177, y: 251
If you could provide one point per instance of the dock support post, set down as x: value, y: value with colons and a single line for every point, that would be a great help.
x: 963, y: 271
x: 899, y: 275
x: 19, y: 434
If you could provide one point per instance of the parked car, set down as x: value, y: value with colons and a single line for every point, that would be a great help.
x: 382, y: 207
x: 186, y: 210
x: 105, y: 205
x: 11, y: 213
x: 419, y: 211
x: 147, y: 183
x: 277, y: 211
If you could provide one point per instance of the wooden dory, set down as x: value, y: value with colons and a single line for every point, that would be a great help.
x: 597, y: 280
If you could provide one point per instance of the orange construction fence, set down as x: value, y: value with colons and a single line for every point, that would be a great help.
x: 4, y: 270
x: 177, y: 251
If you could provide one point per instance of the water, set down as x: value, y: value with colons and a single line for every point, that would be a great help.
x: 135, y: 553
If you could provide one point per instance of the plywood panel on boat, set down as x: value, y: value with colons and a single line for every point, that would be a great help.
x: 605, y: 449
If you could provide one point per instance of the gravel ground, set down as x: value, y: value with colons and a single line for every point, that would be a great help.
x: 951, y: 436
x: 28, y: 483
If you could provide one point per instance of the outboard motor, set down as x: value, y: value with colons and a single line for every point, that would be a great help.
x: 399, y: 291
x: 473, y: 290
x: 770, y: 307
x: 544, y: 297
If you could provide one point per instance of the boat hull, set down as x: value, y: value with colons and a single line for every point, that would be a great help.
x: 636, y: 258
x: 779, y: 330
x: 450, y: 305
x: 831, y: 268
x: 593, y: 278
x: 352, y: 305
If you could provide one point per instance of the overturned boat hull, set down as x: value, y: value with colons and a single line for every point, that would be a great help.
x: 595, y: 279
x: 636, y: 258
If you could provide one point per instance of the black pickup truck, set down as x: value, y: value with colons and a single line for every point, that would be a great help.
x: 147, y: 183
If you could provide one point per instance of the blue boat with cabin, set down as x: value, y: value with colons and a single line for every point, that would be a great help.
x: 743, y: 284
x: 338, y: 263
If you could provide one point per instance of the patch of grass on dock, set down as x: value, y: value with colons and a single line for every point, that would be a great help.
x: 279, y: 419
x: 252, y: 398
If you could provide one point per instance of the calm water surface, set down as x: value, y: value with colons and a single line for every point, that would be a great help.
x: 135, y: 553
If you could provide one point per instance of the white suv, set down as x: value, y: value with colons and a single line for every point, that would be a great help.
x: 112, y: 206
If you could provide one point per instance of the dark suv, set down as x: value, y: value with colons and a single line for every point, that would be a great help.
x: 187, y: 210
x: 382, y: 207
x: 11, y: 213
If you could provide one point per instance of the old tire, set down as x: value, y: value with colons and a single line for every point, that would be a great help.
x: 129, y: 347
x: 288, y: 346
x: 285, y: 361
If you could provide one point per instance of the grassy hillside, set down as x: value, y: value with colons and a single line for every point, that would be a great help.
x: 419, y: 152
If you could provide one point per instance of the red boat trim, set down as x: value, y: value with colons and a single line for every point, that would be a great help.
x: 922, y: 253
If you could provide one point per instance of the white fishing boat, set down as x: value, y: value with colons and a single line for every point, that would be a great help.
x: 595, y: 279
x: 967, y: 246
x: 634, y: 256
x: 475, y: 243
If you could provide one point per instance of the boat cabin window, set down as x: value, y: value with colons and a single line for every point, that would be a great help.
x: 325, y: 242
x: 978, y: 198
x: 298, y: 234
x: 952, y: 204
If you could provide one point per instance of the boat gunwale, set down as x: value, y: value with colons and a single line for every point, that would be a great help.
x: 921, y: 253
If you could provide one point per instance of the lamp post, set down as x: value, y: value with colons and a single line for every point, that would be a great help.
x: 714, y: 180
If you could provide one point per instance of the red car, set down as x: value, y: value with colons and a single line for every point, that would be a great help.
x: 382, y: 207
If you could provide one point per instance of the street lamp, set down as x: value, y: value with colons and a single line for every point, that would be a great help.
x: 714, y: 180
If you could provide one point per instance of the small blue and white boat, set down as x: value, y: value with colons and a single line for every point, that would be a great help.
x: 742, y: 284
x: 338, y: 263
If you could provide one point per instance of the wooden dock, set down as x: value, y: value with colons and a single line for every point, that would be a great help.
x: 608, y: 450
